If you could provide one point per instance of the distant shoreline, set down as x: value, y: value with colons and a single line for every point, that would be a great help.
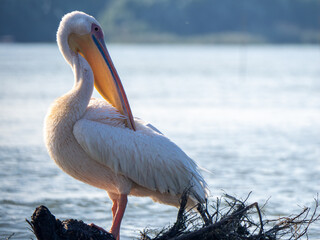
x: 178, y: 43
x: 224, y: 38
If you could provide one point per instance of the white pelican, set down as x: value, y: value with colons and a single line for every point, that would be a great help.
x: 99, y: 142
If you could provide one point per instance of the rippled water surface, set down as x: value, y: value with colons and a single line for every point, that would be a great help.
x: 249, y: 114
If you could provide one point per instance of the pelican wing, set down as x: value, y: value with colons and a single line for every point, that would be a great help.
x: 145, y: 156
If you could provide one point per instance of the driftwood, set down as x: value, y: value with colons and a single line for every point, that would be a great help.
x: 231, y: 219
x: 46, y: 227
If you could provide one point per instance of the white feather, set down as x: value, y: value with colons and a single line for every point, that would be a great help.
x: 144, y: 156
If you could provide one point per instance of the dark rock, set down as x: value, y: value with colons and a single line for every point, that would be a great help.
x: 46, y: 227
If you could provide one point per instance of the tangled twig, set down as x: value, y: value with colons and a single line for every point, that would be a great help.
x: 232, y: 219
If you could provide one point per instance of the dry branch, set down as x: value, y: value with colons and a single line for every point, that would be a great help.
x: 231, y: 219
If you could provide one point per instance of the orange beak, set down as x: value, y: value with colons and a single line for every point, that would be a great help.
x: 106, y: 79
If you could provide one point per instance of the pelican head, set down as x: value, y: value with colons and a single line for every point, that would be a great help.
x: 79, y: 33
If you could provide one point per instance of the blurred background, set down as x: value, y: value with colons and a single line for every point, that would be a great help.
x: 204, y: 21
x: 236, y: 84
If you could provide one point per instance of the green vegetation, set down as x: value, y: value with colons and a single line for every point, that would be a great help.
x: 38, y: 20
x: 275, y: 21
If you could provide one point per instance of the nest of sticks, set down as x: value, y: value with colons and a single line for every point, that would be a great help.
x: 230, y: 218
x: 233, y: 219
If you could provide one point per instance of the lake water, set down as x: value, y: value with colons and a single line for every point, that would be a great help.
x: 249, y: 114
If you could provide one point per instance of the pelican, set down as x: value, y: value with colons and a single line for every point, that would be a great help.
x: 99, y: 142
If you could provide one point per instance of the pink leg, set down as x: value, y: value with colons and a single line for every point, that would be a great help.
x: 114, y: 199
x: 114, y: 208
x: 121, y: 207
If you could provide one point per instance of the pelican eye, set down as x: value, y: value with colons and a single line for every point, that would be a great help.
x: 96, y: 29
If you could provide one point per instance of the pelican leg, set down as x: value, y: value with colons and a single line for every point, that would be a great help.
x: 114, y: 198
x: 114, y: 208
x: 120, y: 208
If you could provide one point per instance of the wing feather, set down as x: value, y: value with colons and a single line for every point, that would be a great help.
x: 145, y: 156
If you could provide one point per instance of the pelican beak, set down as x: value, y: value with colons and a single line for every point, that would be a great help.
x: 106, y: 79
